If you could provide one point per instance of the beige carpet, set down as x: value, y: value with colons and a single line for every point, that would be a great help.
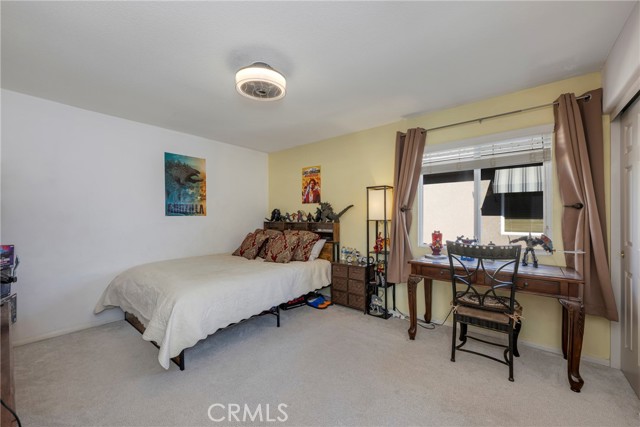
x: 331, y: 367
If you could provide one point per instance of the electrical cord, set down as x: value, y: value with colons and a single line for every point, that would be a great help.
x: 12, y: 412
x: 427, y: 325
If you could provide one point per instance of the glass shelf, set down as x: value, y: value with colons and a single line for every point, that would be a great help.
x: 374, y: 284
x: 383, y: 315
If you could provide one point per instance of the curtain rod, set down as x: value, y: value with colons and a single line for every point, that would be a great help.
x: 481, y: 119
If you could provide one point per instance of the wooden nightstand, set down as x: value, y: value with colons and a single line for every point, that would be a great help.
x: 349, y: 284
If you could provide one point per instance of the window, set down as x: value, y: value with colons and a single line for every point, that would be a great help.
x: 496, y: 189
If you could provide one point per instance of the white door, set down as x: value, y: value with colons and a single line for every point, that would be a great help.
x: 630, y: 206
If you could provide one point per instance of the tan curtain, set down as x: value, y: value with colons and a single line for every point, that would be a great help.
x: 580, y: 167
x: 409, y: 150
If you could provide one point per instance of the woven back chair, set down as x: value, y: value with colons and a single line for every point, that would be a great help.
x: 483, y: 283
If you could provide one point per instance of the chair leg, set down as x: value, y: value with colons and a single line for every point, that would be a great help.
x: 453, y: 339
x: 516, y: 333
x: 511, y: 334
x: 463, y: 333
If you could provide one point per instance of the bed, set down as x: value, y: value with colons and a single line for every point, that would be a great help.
x: 177, y: 303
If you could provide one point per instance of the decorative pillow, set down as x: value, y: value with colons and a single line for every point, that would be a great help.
x: 307, y: 240
x: 280, y: 249
x: 317, y: 248
x: 251, y: 245
x: 270, y: 234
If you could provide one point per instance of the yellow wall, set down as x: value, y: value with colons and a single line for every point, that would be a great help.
x: 352, y: 162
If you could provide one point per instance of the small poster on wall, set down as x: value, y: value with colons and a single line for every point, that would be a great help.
x: 185, y: 182
x: 311, y: 184
x: 6, y: 256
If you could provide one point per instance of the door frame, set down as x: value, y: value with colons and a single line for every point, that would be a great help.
x: 615, y: 261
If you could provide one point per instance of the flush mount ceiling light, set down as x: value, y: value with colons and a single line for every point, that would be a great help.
x: 260, y: 81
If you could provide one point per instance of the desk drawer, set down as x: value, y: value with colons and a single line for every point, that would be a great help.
x: 340, y: 270
x: 356, y: 287
x: 538, y: 286
x: 339, y: 283
x: 435, y: 273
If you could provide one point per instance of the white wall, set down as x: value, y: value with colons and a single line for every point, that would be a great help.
x: 621, y: 73
x: 83, y: 199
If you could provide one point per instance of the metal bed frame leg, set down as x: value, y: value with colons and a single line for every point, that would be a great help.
x: 277, y: 314
x: 179, y: 360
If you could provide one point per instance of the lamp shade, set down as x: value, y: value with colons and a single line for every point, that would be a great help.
x: 377, y: 201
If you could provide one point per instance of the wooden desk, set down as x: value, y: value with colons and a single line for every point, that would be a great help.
x: 563, y: 284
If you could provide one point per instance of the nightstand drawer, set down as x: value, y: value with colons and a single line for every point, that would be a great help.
x: 339, y: 283
x: 340, y: 270
x: 357, y: 273
x: 356, y: 301
x: 338, y: 297
x: 356, y: 287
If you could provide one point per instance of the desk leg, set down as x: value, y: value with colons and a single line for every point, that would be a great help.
x: 574, y: 333
x: 412, y: 284
x: 565, y: 331
x: 427, y: 300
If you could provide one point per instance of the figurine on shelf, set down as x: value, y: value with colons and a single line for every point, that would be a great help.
x: 309, y: 217
x: 378, y: 247
x: 380, y: 267
x: 325, y: 213
x: 436, y: 242
x: 376, y: 305
x: 380, y: 279
x: 350, y: 255
x: 275, y: 216
x: 542, y: 241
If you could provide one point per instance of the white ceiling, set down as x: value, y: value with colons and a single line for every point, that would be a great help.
x: 349, y: 65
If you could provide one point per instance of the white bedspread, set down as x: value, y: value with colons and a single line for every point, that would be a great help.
x: 182, y: 301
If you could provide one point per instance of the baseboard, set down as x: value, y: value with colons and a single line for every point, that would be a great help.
x: 17, y: 343
x: 591, y: 359
x: 554, y: 350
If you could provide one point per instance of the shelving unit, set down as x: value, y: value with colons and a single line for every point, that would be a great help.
x: 379, y: 202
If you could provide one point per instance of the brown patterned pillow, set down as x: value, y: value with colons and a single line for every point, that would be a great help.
x: 251, y: 245
x: 270, y: 234
x: 307, y: 240
x: 280, y: 249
